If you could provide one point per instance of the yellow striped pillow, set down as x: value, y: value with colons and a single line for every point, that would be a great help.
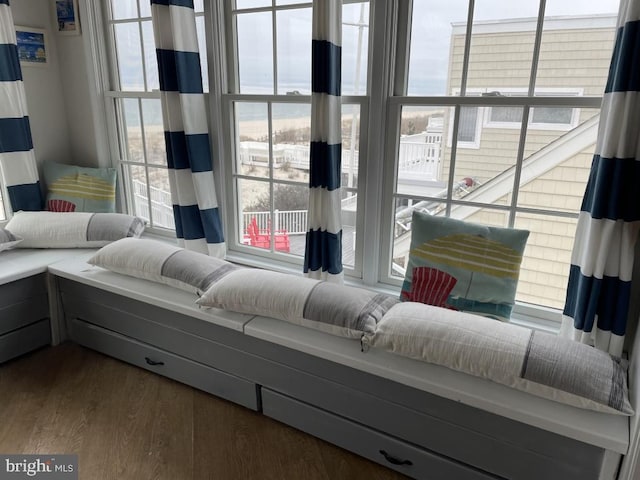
x: 479, y: 264
x: 80, y: 189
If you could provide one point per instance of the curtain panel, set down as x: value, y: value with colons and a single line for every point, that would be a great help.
x: 195, y: 204
x: 323, y: 254
x: 599, y: 286
x: 17, y: 159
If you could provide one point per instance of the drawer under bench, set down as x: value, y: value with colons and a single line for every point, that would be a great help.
x: 335, y: 402
x: 24, y: 316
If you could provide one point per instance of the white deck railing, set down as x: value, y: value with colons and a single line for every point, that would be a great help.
x: 287, y: 155
x: 161, y: 205
x: 293, y: 221
x: 419, y: 156
x: 421, y: 159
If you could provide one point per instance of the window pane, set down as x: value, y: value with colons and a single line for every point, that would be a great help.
x: 252, y: 139
x: 420, y: 152
x: 556, y: 165
x: 156, y: 184
x: 355, y: 48
x: 431, y: 42
x: 139, y: 194
x: 575, y: 51
x: 132, y: 143
x: 198, y: 6
x: 401, y: 245
x: 559, y: 116
x: 468, y: 124
x: 154, y: 132
x: 349, y: 224
x: 124, y: 9
x: 502, y: 40
x: 150, y: 58
x: 161, y: 205
x: 350, y: 144
x: 294, y: 51
x: 145, y: 8
x: 255, y: 52
x: 202, y: 47
x: 254, y: 204
x: 506, y: 115
x: 291, y: 205
x: 484, y: 167
x: 252, y: 3
x: 291, y: 141
x: 127, y: 36
x: 547, y: 257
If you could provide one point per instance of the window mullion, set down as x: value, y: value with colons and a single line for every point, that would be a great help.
x: 143, y: 51
x: 456, y: 115
x: 467, y: 49
x: 274, y: 34
x: 526, y: 110
x: 271, y: 199
x: 402, y: 47
x: 146, y: 164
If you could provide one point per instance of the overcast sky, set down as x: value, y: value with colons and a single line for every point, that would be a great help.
x: 431, y: 32
x: 431, y: 35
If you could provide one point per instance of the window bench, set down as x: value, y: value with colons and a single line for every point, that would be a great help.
x: 422, y: 420
x: 24, y: 305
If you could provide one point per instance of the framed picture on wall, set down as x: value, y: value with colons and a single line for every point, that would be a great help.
x: 67, y: 17
x: 33, y: 48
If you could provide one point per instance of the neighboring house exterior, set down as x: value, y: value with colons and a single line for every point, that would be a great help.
x: 574, y: 60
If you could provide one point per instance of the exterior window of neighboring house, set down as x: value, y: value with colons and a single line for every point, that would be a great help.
x: 492, y: 122
x: 468, y: 127
x: 540, y: 118
x: 133, y: 101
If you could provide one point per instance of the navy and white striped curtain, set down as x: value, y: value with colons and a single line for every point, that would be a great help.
x: 17, y: 159
x: 599, y: 286
x: 195, y: 204
x: 323, y: 254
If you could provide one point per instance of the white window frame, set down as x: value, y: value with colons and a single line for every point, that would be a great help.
x: 531, y: 315
x: 380, y: 112
x: 113, y: 94
x: 6, y: 211
x: 236, y: 250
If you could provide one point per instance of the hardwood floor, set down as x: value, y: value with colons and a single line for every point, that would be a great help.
x: 127, y: 423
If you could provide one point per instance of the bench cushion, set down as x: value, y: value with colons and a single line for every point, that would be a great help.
x: 72, y: 229
x: 535, y: 362
x: 337, y: 309
x: 163, y: 263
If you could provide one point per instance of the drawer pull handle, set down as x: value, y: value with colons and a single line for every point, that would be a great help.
x: 153, y: 362
x: 395, y: 460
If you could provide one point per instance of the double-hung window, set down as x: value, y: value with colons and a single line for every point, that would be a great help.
x: 133, y: 104
x: 481, y: 110
x: 493, y: 119
x: 267, y: 105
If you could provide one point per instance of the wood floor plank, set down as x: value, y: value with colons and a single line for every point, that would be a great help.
x: 125, y: 423
x: 25, y: 385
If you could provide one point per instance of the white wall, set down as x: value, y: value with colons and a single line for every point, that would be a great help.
x: 47, y: 110
x: 60, y: 96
